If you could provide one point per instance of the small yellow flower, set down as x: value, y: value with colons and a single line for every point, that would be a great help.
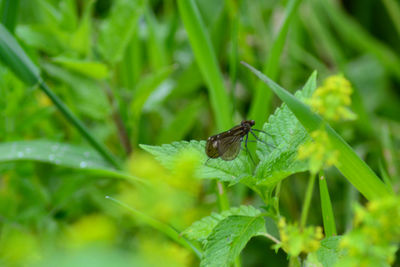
x: 319, y: 152
x: 333, y: 98
x: 296, y: 240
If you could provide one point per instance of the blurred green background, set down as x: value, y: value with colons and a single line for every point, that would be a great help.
x: 126, y: 68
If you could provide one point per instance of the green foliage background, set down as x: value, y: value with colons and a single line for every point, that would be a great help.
x: 101, y: 77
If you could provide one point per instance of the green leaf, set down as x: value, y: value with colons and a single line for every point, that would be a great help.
x: 328, y: 253
x: 286, y: 134
x: 231, y: 171
x: 91, y: 69
x: 80, y: 41
x: 349, y: 163
x: 53, y: 152
x: 116, y: 31
x: 200, y: 230
x: 228, y: 239
x: 44, y: 38
x: 16, y: 59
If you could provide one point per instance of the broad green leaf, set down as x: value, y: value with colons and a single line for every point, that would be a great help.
x: 91, y: 69
x: 16, y: 59
x: 327, y: 254
x: 228, y: 239
x: 230, y: 171
x: 200, y: 230
x: 349, y: 163
x: 116, y: 31
x: 53, y: 152
x: 285, y: 134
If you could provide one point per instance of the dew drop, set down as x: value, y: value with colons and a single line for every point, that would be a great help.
x: 51, y: 157
x: 20, y: 154
x: 58, y: 161
x: 28, y: 150
x: 83, y: 164
x: 54, y: 148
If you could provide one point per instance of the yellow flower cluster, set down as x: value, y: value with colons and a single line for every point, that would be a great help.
x: 332, y: 99
x: 296, y: 240
x: 320, y: 152
x: 374, y: 239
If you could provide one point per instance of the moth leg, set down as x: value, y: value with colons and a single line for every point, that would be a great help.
x: 261, y: 131
x: 258, y: 139
x: 247, y: 149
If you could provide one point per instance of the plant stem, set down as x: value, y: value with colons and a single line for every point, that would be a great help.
x: 160, y: 226
x: 272, y: 238
x: 307, y: 200
x: 223, y: 202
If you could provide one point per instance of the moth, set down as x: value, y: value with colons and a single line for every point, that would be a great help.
x: 227, y: 145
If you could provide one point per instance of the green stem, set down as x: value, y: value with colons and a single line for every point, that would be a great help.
x: 326, y: 206
x: 160, y: 226
x: 307, y: 200
x: 276, y: 198
x: 79, y: 125
x: 223, y: 202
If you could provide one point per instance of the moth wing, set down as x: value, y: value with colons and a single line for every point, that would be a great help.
x: 212, y: 148
x: 229, y: 147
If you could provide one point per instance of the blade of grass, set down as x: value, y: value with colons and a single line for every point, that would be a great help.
x: 259, y: 109
x: 393, y: 8
x: 349, y: 164
x: 15, y: 58
x: 9, y: 11
x: 160, y: 226
x: 207, y: 61
x: 326, y: 206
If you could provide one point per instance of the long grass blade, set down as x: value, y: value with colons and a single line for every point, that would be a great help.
x: 349, y: 164
x: 207, y: 61
x: 327, y: 212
